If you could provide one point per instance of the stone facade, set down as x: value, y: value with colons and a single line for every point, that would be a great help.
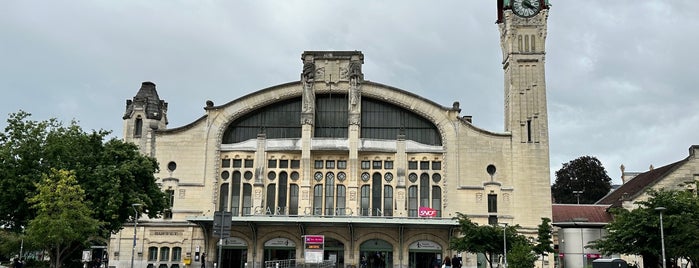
x: 378, y: 188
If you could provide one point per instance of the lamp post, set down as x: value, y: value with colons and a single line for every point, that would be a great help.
x: 577, y: 194
x: 662, y: 234
x: 135, y: 225
x: 504, y: 244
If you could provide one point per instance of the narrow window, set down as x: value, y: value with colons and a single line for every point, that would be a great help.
x: 318, y: 199
x: 293, y: 199
x: 247, y: 199
x: 376, y: 194
x: 424, y: 190
x: 170, y: 203
x: 235, y: 199
x: 341, y: 200
x: 529, y: 130
x: 492, y: 203
x: 223, y: 198
x: 271, y: 198
x: 281, y: 198
x: 388, y: 200
x: 533, y: 41
x: 329, y: 193
x: 437, y: 200
x: 138, y: 127
x: 412, y: 201
x: 365, y: 200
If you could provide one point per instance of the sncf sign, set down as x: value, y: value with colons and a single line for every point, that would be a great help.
x: 427, y: 212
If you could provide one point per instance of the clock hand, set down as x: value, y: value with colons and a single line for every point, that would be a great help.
x: 527, y: 4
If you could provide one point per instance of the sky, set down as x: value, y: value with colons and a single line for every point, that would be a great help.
x: 621, y: 75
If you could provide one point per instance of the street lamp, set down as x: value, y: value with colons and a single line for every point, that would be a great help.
x: 662, y: 234
x: 504, y: 243
x: 577, y: 194
x: 135, y: 225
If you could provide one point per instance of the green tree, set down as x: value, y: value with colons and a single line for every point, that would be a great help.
x: 112, y: 173
x: 584, y: 178
x: 637, y: 232
x: 63, y: 219
x: 521, y: 255
x: 484, y: 239
x: 544, y: 242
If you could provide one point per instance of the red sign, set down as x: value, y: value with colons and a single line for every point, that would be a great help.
x: 427, y: 212
x: 314, y: 239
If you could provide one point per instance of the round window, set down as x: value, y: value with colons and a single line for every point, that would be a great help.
x: 412, y: 177
x: 225, y: 175
x: 318, y: 176
x: 365, y: 176
x: 341, y: 176
x: 295, y: 176
x: 247, y: 175
x: 171, y: 166
x: 388, y: 177
x: 436, y: 177
x: 271, y: 175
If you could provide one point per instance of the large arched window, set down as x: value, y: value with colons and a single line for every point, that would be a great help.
x: 278, y: 121
x: 381, y: 120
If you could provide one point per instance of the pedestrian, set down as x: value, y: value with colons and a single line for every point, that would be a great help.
x: 455, y: 262
x: 447, y: 262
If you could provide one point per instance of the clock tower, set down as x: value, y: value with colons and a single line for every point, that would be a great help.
x: 522, y: 25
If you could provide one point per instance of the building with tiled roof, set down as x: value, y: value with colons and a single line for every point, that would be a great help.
x: 576, y: 226
x: 677, y: 175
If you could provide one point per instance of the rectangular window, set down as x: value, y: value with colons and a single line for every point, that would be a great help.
x: 366, y: 164
x: 437, y: 200
x: 364, y: 201
x: 341, y: 164
x: 318, y: 199
x: 436, y: 165
x: 272, y: 163
x: 412, y: 201
x: 138, y: 127
x: 164, y: 254
x: 424, y: 165
x: 293, y: 199
x: 318, y: 164
x: 493, y: 220
x: 341, y: 200
x: 170, y: 195
x: 388, y: 164
x: 176, y: 254
x: 412, y: 165
x: 247, y: 199
x: 237, y: 163
x: 248, y: 163
x: 225, y: 163
x: 330, y: 164
x: 492, y: 203
x: 295, y: 164
x: 283, y: 163
x: 152, y: 254
x: 376, y: 164
x: 388, y: 201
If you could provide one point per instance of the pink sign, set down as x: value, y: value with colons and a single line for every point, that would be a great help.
x: 314, y: 239
x: 427, y: 212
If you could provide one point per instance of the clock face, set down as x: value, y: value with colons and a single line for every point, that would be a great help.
x: 526, y: 8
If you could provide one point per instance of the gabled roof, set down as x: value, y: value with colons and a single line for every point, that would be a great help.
x: 580, y: 215
x: 638, y: 185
